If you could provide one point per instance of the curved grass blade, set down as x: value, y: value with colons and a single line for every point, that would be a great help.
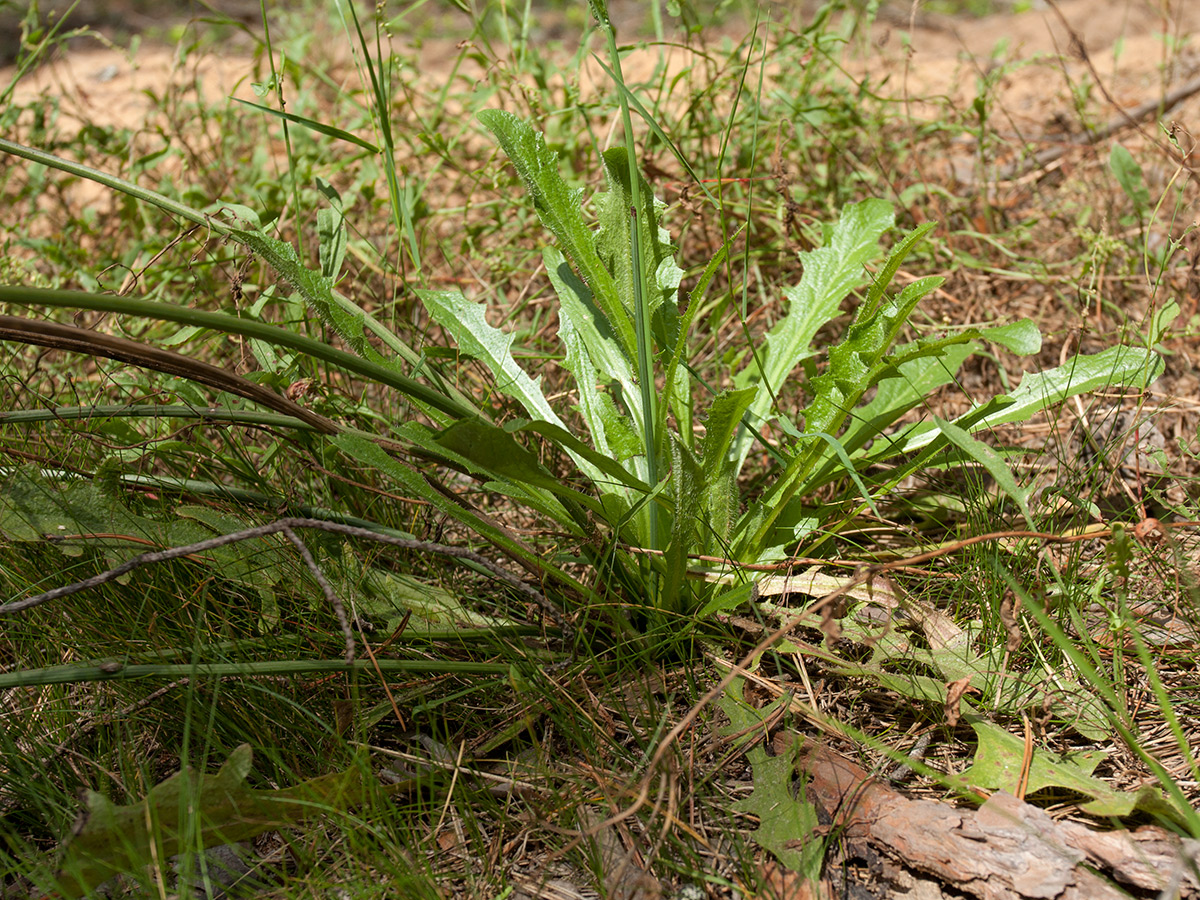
x: 97, y: 344
x: 311, y: 124
x: 76, y: 673
x: 228, y: 324
x: 153, y: 411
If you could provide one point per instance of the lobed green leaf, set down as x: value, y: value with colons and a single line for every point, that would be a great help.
x: 559, y: 209
x: 830, y: 273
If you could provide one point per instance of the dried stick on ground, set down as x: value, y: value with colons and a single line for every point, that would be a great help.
x: 1125, y: 118
x: 288, y: 527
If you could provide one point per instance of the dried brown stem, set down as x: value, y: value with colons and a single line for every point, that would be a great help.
x: 287, y: 527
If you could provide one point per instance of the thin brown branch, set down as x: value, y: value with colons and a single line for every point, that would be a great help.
x: 287, y: 528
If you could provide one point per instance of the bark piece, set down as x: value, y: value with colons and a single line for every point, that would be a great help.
x: 1005, y: 850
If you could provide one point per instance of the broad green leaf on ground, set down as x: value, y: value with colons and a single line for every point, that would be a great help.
x: 606, y: 464
x: 492, y: 452
x: 913, y: 382
x: 395, y: 595
x: 1021, y: 337
x: 495, y: 450
x: 787, y: 823
x: 922, y: 367
x: 998, y: 762
x: 537, y: 498
x: 80, y: 516
x: 191, y: 808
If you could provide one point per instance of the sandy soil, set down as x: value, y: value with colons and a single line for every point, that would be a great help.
x: 1036, y: 66
x: 936, y: 59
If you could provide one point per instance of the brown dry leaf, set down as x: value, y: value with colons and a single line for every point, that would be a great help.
x: 538, y: 888
x: 343, y: 715
x: 954, y: 694
x: 1009, y: 607
x: 782, y: 883
x: 939, y: 629
x: 298, y: 390
x: 625, y: 877
x: 1150, y: 531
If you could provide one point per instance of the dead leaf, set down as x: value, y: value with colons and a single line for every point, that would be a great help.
x: 1150, y: 531
x: 622, y: 867
x: 781, y: 883
x: 954, y: 694
x: 1009, y: 607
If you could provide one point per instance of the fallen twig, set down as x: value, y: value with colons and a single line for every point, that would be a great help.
x: 287, y: 527
x: 1125, y: 118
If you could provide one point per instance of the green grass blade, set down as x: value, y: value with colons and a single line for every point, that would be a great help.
x: 166, y: 204
x: 153, y: 411
x: 632, y: 99
x: 992, y: 462
x: 76, y: 674
x: 280, y: 254
x: 639, y: 218
x: 312, y: 124
x: 1104, y: 687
